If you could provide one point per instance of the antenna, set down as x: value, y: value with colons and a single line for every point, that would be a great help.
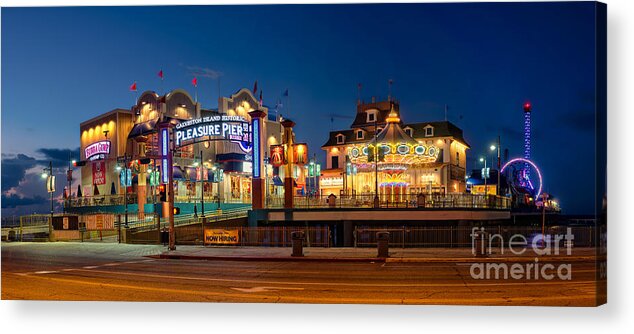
x: 389, y: 90
x: 446, y: 109
x: 358, y: 93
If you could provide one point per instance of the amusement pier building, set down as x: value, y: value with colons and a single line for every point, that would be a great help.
x: 400, y: 160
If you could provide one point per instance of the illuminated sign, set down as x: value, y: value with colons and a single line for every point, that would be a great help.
x: 233, y: 128
x: 221, y: 237
x: 164, y: 153
x: 97, y: 150
x: 125, y: 179
x: 332, y: 182
x: 99, y: 172
x: 277, y: 155
x: 256, y: 148
x: 300, y: 154
x: 247, y: 167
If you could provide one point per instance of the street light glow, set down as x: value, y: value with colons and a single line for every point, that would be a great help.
x: 481, y: 159
x: 44, y: 175
x: 493, y: 147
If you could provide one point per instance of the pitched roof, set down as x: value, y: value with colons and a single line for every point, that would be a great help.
x: 441, y: 129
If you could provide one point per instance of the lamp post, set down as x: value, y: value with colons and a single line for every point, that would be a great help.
x: 484, y: 176
x: 202, y: 187
x: 125, y: 188
x: 493, y: 148
x: 376, y: 167
x: 48, y: 175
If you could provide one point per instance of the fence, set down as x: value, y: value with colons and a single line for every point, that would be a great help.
x: 460, y: 236
x: 421, y: 201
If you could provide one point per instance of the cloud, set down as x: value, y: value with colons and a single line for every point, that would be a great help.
x: 13, y: 201
x: 14, y: 169
x: 203, y: 72
x: 580, y: 119
x: 58, y: 156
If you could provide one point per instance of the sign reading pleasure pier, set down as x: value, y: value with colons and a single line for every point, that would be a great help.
x: 218, y: 127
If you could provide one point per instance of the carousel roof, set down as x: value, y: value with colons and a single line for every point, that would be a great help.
x: 393, y: 133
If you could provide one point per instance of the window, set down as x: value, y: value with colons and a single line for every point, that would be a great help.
x: 359, y: 134
x: 371, y: 116
x: 457, y: 158
x: 340, y: 139
x: 429, y: 131
x: 409, y: 131
x: 334, y: 162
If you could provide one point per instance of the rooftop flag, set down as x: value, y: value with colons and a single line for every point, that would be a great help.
x: 160, y: 74
x: 133, y: 87
x: 195, y: 82
x: 255, y: 87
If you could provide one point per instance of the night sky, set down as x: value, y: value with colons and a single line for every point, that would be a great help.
x: 62, y: 66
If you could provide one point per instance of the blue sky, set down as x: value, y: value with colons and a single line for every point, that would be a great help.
x: 61, y: 66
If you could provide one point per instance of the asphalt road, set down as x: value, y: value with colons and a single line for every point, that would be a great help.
x: 112, y: 272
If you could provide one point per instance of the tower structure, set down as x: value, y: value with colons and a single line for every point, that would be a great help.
x: 527, y: 144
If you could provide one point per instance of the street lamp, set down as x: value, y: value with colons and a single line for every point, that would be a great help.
x: 484, y: 176
x: 493, y: 148
x: 48, y: 175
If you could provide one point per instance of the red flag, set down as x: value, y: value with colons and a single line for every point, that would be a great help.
x: 133, y: 87
x: 195, y: 82
x: 255, y: 87
x: 260, y: 97
x: 160, y: 74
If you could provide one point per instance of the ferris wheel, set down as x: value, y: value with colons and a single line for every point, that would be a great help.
x: 522, y: 173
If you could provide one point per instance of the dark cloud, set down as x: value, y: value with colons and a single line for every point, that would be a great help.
x: 58, y: 156
x: 13, y: 201
x: 14, y: 169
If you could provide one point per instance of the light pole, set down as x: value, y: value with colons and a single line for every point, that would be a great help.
x: 484, y: 175
x: 202, y: 187
x: 493, y: 148
x: 48, y: 175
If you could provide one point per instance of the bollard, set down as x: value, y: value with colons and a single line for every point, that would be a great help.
x: 297, y: 240
x: 480, y: 244
x: 382, y: 244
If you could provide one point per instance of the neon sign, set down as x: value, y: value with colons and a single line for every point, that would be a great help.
x: 233, y: 128
x: 97, y: 150
x: 256, y: 148
x: 164, y: 154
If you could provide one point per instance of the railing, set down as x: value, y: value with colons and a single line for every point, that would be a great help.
x: 460, y: 236
x: 421, y: 201
x: 99, y: 200
x: 258, y: 236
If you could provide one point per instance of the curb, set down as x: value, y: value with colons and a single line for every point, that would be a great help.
x: 267, y: 258
x: 370, y: 259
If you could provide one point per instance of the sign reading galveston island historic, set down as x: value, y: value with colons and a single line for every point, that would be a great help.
x: 224, y: 127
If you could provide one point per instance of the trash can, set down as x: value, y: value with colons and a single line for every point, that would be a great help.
x: 297, y: 241
x: 480, y: 241
x: 382, y: 244
x: 165, y: 236
x: 332, y: 200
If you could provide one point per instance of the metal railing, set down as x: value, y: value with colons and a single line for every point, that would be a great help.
x: 460, y: 236
x: 258, y: 236
x: 420, y: 201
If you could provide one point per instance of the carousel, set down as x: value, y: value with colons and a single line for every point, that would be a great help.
x: 393, y: 161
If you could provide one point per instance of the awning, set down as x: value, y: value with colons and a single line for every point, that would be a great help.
x: 277, y: 181
x: 142, y: 129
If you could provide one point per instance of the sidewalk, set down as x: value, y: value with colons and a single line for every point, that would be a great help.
x: 422, y: 255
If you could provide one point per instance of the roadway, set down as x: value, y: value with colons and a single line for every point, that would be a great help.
x: 114, y: 272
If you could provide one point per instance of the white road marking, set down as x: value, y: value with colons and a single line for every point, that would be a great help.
x: 111, y: 264
x: 264, y: 289
x: 90, y: 267
x: 46, y: 272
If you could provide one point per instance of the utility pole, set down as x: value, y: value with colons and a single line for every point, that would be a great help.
x: 51, y: 188
x: 499, y: 166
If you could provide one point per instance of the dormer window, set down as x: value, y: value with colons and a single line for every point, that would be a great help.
x: 429, y: 131
x: 371, y: 116
x: 409, y: 131
x: 340, y: 138
x: 360, y: 134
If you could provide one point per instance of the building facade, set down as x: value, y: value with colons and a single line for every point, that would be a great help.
x: 379, y: 151
x: 121, y: 151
